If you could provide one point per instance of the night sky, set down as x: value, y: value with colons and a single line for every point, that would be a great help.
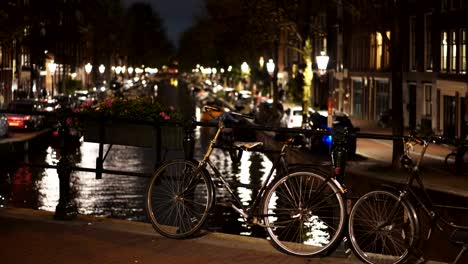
x: 177, y: 14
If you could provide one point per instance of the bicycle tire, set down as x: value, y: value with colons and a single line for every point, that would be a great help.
x: 450, y: 162
x: 389, y: 244
x: 308, y: 223
x: 177, y: 200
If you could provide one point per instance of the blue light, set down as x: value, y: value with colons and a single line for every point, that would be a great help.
x: 328, y: 139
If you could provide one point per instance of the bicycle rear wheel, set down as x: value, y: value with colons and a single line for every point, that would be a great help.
x: 304, y: 214
x: 178, y: 198
x: 382, y: 228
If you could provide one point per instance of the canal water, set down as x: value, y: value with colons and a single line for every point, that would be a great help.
x: 122, y: 197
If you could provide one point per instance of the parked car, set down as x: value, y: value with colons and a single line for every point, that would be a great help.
x: 293, y: 116
x: 319, y: 119
x: 22, y: 120
x: 3, y: 126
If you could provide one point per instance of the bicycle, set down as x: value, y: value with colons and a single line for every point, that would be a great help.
x: 302, y: 209
x: 454, y: 161
x: 385, y: 225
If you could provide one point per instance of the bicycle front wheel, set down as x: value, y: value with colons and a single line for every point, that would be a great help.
x: 382, y: 228
x: 178, y: 198
x: 304, y: 214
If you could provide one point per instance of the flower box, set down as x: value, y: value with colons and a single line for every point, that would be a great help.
x: 139, y: 135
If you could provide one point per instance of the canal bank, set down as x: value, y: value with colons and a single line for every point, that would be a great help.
x: 22, y: 142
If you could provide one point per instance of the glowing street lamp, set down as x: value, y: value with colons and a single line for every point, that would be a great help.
x: 102, y: 69
x: 261, y: 62
x: 245, y: 68
x: 271, y: 70
x: 270, y: 67
x: 88, y: 68
x: 322, y: 61
x: 52, y: 66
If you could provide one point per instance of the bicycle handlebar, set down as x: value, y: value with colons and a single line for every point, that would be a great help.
x: 217, y: 109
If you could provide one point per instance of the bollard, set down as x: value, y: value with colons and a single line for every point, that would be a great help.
x: 65, y: 210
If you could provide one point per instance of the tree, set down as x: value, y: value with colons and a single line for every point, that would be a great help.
x: 296, y: 17
x: 146, y: 39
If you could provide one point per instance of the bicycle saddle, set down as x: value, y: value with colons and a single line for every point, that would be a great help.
x: 249, y: 146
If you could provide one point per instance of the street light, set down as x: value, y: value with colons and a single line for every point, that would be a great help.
x: 261, y: 62
x: 245, y: 68
x: 102, y: 68
x: 52, y: 66
x: 322, y: 61
x: 271, y: 70
x: 88, y: 68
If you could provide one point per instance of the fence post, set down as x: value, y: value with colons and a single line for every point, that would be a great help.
x: 189, y: 140
x: 65, y: 209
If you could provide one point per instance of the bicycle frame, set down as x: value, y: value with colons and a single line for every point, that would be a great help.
x: 425, y: 202
x: 246, y: 212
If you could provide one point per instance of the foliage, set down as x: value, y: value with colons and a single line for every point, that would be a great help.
x: 140, y: 109
x: 147, y: 42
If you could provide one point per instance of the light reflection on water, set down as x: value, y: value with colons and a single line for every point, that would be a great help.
x: 122, y: 197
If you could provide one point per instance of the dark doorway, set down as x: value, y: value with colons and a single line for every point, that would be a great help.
x: 449, y: 116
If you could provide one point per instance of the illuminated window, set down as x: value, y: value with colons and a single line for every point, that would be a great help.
x: 453, y: 51
x: 412, y: 59
x: 378, y: 61
x: 443, y: 51
x: 463, y: 51
x: 387, y: 52
x: 372, y: 51
x: 428, y: 99
x: 428, y: 42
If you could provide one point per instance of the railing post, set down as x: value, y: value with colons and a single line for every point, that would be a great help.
x: 189, y: 139
x: 99, y: 159
x: 65, y: 209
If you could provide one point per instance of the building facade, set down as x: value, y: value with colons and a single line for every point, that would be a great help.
x: 435, y: 81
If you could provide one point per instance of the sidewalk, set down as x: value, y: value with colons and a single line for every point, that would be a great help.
x: 434, y: 178
x: 31, y: 236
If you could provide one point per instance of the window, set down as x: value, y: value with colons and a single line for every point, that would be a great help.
x: 428, y: 42
x: 456, y: 4
x: 372, y: 51
x: 357, y: 98
x: 386, y: 59
x: 428, y: 100
x: 444, y: 5
x: 443, y: 51
x: 382, y: 89
x: 378, y: 64
x: 463, y: 50
x: 412, y: 47
x: 453, y: 51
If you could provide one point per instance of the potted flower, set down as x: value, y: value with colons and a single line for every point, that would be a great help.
x: 139, y: 122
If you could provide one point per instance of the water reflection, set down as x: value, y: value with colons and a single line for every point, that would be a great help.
x: 123, y: 197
